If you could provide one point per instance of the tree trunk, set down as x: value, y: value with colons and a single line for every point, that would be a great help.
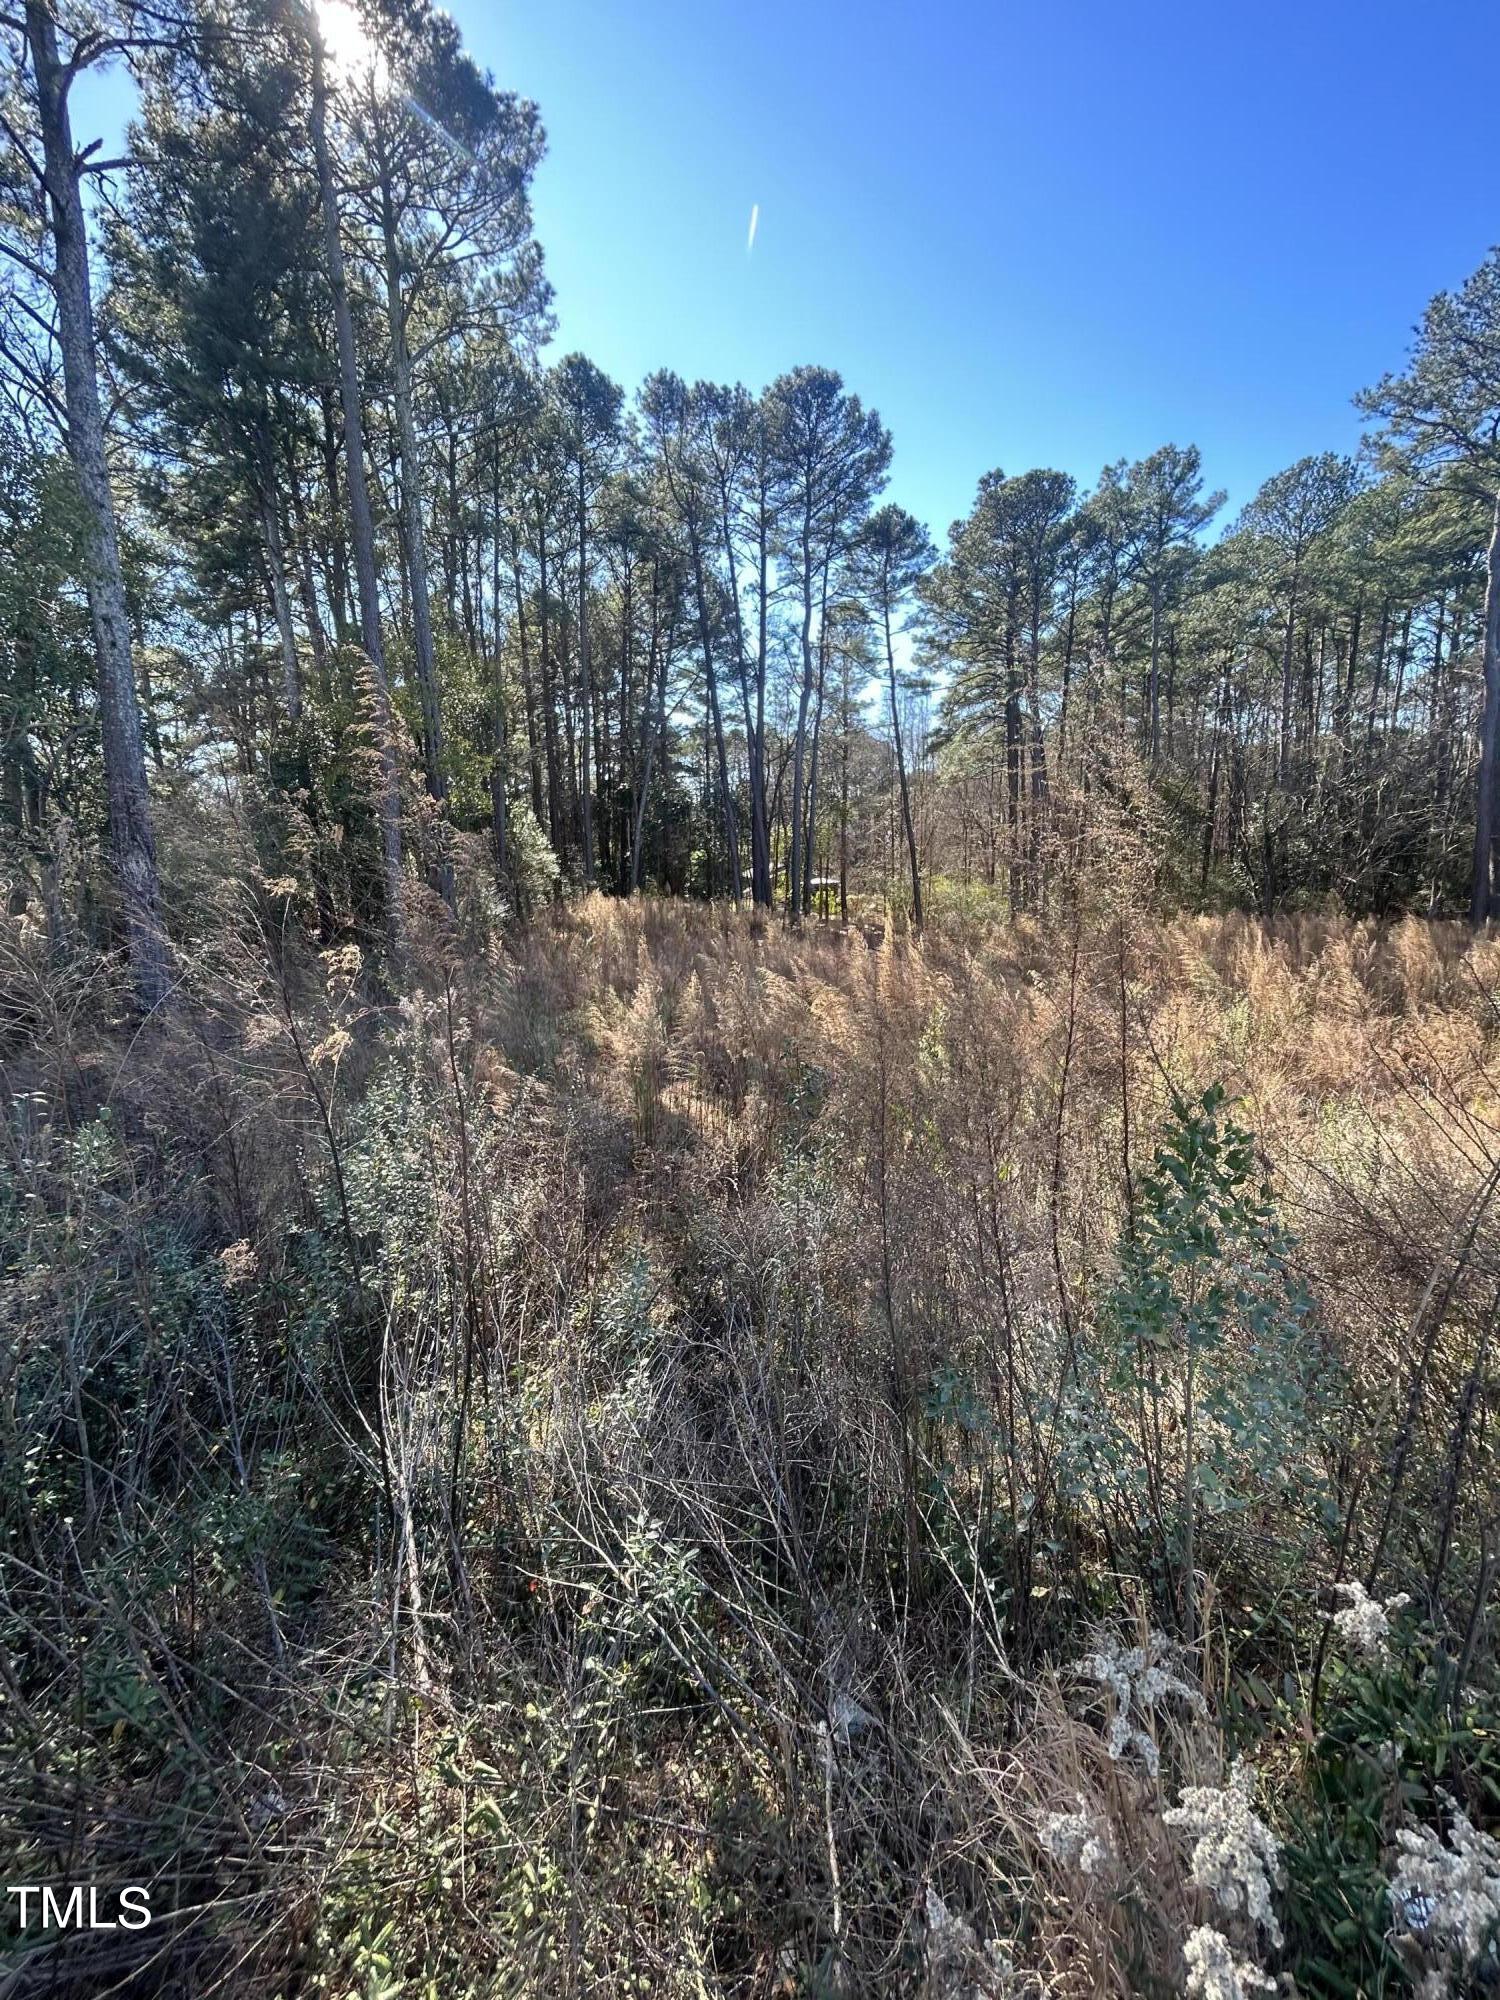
x: 306, y: 583
x: 527, y: 694
x: 1344, y: 689
x: 754, y: 748
x: 906, y: 819
x: 361, y: 524
x: 425, y: 657
x: 1037, y: 752
x: 763, y: 607
x: 1211, y: 813
x: 650, y: 736
x: 498, y: 818
x: 809, y: 869
x: 731, y: 829
x: 281, y: 604
x: 555, y: 799
x: 1480, y: 899
x: 844, y: 721
x: 794, y: 886
x: 132, y: 837
x: 1284, y: 739
x: 340, y: 585
x: 586, y: 704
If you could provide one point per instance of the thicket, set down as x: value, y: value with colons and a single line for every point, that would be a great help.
x: 680, y: 1456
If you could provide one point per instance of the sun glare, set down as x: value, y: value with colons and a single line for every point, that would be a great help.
x: 351, y: 50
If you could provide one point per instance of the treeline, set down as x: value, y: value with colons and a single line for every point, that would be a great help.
x: 295, y: 514
x: 1299, y: 695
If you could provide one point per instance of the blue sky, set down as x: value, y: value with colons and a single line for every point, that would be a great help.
x: 1041, y: 234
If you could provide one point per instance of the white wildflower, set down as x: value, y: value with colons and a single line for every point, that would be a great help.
x: 1364, y: 1624
x: 1235, y: 1854
x: 998, y: 1958
x: 1449, y: 1895
x: 957, y: 1967
x: 1213, y: 1971
x: 1139, y: 1680
x: 942, y: 1925
x: 1077, y: 1839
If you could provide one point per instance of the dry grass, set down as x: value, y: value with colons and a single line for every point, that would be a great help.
x: 591, y: 1509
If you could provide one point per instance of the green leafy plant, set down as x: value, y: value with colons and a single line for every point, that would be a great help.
x: 1393, y: 1736
x: 1208, y: 1315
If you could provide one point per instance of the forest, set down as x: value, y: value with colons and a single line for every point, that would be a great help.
x: 743, y: 1251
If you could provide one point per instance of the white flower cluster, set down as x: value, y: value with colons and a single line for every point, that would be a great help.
x: 943, y: 1927
x: 1077, y: 1839
x: 1139, y: 1680
x: 957, y: 1967
x: 1448, y: 1896
x: 1214, y: 1973
x: 1364, y: 1624
x: 1235, y: 1854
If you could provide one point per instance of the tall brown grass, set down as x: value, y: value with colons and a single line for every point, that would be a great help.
x: 561, y: 1485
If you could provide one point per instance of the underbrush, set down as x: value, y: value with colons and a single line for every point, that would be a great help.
x: 690, y: 1458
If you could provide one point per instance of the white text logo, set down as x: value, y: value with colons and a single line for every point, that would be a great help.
x: 80, y: 1909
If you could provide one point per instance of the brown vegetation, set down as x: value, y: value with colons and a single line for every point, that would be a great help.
x: 591, y: 1481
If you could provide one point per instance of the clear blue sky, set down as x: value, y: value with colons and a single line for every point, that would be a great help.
x: 1045, y: 234
x: 1050, y: 233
